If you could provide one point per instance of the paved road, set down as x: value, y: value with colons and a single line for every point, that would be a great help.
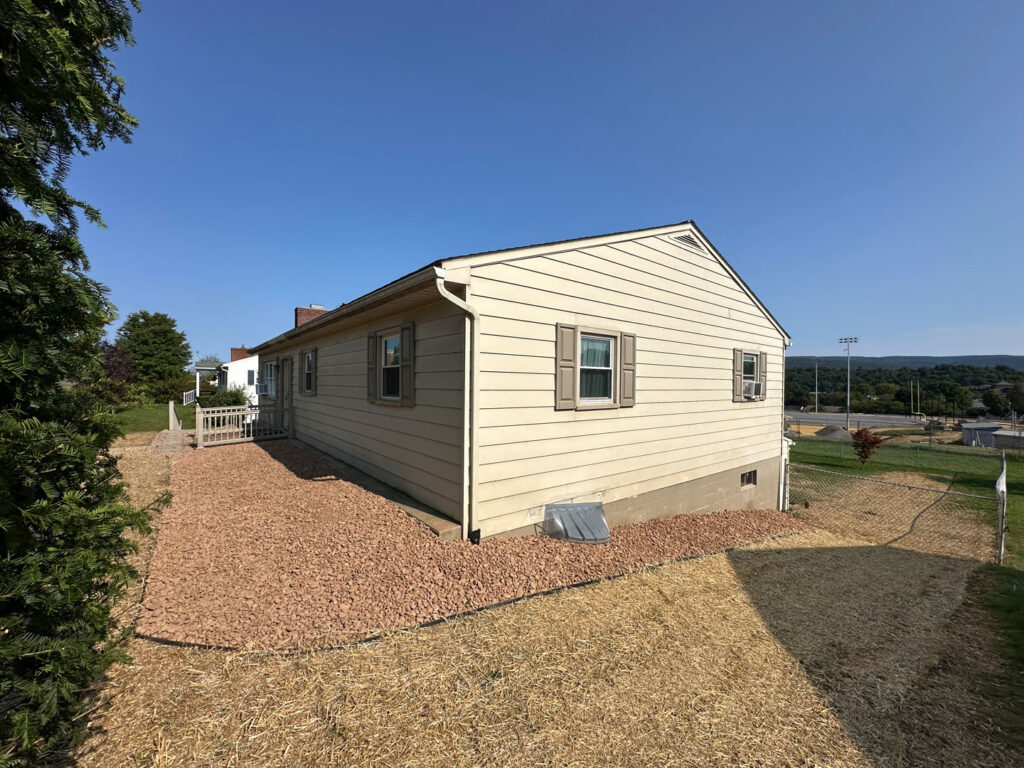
x: 856, y: 419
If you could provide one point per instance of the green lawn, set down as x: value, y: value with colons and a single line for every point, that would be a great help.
x: 153, y: 418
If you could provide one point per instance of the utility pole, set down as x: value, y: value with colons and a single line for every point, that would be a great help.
x: 815, y: 385
x: 848, y: 340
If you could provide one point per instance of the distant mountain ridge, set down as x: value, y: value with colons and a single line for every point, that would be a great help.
x: 907, y: 361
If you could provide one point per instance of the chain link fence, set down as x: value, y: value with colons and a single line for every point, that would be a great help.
x: 900, y: 509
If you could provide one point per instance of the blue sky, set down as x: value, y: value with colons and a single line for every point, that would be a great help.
x: 860, y: 164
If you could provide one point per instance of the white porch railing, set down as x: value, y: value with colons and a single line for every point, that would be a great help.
x: 239, y: 424
x: 187, y: 398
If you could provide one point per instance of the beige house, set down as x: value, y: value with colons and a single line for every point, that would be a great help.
x: 636, y: 369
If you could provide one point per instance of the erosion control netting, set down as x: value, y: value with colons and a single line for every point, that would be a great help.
x: 902, y: 509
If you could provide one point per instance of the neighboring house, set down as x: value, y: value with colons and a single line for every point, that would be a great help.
x: 240, y: 372
x: 979, y: 433
x: 636, y: 369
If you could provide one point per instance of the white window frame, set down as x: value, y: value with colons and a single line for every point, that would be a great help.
x: 753, y: 380
x: 307, y: 371
x: 381, y: 366
x: 752, y: 473
x: 743, y: 363
x: 612, y: 339
x: 270, y: 377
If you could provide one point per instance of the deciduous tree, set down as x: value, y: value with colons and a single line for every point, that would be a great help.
x: 996, y: 403
x: 866, y: 444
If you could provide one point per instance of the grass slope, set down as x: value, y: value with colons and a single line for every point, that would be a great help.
x: 153, y: 418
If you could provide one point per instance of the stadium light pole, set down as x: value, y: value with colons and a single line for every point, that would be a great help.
x: 848, y: 340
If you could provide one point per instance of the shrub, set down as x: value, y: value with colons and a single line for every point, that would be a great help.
x: 169, y: 389
x: 223, y: 399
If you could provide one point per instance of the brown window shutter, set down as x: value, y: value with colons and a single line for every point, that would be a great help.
x: 627, y: 358
x: 371, y: 368
x: 408, y: 364
x: 762, y: 371
x: 565, y: 367
x: 737, y: 375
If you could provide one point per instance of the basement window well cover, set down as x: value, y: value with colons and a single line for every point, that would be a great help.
x: 582, y: 522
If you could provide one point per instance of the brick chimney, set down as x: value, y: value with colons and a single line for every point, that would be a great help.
x: 239, y: 353
x: 305, y: 314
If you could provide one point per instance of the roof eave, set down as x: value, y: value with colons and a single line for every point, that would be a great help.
x: 379, y: 296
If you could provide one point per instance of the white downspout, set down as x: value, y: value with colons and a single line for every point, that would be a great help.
x: 470, y: 409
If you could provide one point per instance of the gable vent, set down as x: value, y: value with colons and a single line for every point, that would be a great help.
x: 689, y: 241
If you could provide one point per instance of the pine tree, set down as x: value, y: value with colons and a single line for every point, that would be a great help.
x: 154, y: 345
x: 63, y: 510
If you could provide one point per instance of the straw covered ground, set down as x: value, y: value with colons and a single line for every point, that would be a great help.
x: 747, y: 658
x: 807, y: 650
x: 269, y: 546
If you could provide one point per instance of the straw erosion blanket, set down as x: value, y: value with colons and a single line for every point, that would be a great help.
x: 269, y: 546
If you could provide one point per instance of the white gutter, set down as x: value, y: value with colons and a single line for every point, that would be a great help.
x: 381, y: 295
x: 469, y: 408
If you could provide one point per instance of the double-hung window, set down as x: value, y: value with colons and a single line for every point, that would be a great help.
x: 391, y: 367
x: 749, y: 370
x: 748, y: 375
x: 597, y: 368
x: 270, y: 378
x: 308, y: 371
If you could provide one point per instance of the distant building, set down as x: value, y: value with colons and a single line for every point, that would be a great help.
x: 1012, y: 439
x: 240, y: 373
x: 980, y: 433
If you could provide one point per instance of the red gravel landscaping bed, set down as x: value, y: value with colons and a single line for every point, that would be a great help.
x: 266, y: 544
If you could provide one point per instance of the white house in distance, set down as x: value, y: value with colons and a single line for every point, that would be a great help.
x: 241, y: 372
x: 635, y: 369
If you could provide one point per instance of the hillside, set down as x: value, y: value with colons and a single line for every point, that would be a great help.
x: 907, y: 361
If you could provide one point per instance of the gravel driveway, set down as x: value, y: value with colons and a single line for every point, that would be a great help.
x: 267, y: 545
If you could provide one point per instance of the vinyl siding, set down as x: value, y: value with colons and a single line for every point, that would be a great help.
x: 415, y: 449
x: 688, y: 314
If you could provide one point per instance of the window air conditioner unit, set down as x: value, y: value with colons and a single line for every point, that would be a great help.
x: 752, y: 389
x: 262, y: 389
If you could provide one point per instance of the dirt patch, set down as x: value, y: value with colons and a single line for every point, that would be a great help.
x: 147, y: 475
x: 134, y: 440
x: 906, y: 509
x: 253, y: 551
x: 802, y: 651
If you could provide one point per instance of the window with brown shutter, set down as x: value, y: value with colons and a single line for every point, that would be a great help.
x: 594, y: 368
x: 390, y: 366
x: 749, y: 375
